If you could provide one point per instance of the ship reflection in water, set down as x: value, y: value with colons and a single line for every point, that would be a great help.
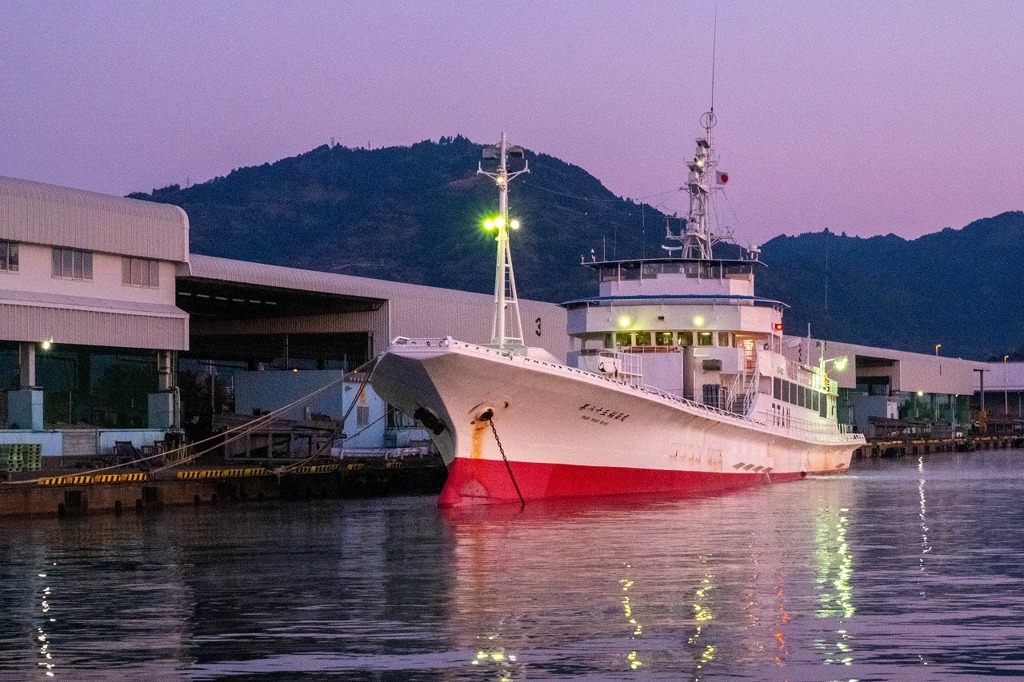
x: 686, y: 588
x: 902, y: 570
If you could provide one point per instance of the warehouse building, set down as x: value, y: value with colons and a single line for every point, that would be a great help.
x: 87, y: 287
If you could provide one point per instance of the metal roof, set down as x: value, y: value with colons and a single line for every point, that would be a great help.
x: 51, y: 300
x: 389, y: 308
x: 40, y: 213
x: 210, y: 267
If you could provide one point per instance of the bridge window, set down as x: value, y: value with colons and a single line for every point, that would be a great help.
x: 723, y: 339
x: 643, y: 338
x: 663, y: 338
x: 705, y: 339
x: 623, y: 339
x: 685, y: 338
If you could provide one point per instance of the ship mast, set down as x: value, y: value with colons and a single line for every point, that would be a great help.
x: 506, y: 302
x: 697, y: 240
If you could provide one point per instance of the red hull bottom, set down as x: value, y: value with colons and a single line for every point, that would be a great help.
x: 482, y: 481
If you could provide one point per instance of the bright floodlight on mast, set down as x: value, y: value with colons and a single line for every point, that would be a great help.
x: 506, y: 303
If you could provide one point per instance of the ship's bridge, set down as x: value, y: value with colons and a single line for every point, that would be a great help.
x: 672, y: 303
x: 730, y: 277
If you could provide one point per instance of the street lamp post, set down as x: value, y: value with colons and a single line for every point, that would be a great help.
x: 982, y: 415
x: 1006, y: 393
x: 937, y: 347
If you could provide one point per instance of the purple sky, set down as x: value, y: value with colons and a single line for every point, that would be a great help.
x: 865, y: 117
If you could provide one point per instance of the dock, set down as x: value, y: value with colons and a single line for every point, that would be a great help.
x: 81, y: 493
x: 917, y: 445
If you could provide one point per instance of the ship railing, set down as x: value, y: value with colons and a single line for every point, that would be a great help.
x: 797, y: 372
x: 662, y: 393
x: 790, y: 425
x: 826, y: 429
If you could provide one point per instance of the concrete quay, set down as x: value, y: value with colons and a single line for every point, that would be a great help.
x: 82, y: 493
x: 917, y: 445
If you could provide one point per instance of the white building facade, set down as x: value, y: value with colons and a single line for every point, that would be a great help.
x: 85, y: 270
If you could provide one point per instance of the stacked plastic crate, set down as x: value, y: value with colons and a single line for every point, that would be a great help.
x: 16, y: 457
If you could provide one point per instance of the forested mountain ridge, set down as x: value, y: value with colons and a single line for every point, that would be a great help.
x: 412, y: 214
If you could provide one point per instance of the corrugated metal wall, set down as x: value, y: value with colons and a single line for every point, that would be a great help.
x: 39, y: 213
x: 468, y: 317
x: 34, y: 323
x: 415, y: 311
x: 374, y: 322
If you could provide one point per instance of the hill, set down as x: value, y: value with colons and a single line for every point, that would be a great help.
x: 412, y: 214
x: 961, y: 288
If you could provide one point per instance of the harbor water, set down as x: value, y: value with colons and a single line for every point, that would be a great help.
x: 904, y: 569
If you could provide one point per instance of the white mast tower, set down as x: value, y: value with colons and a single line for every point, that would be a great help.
x: 697, y: 242
x: 506, y: 303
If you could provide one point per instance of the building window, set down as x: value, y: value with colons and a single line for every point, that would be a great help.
x: 140, y: 272
x: 8, y: 256
x: 72, y: 263
x: 362, y: 416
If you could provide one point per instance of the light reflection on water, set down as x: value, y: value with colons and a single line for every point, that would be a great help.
x: 906, y: 569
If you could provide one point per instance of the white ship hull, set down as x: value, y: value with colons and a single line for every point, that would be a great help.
x: 566, y: 432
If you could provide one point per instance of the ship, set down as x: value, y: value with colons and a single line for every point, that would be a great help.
x: 677, y: 381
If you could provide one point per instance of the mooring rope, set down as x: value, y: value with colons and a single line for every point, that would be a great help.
x: 355, y: 399
x: 494, y: 430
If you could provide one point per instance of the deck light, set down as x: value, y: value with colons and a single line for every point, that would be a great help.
x: 489, y: 224
x: 47, y: 343
x: 499, y: 221
x: 698, y: 321
x: 514, y: 224
x: 624, y: 321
